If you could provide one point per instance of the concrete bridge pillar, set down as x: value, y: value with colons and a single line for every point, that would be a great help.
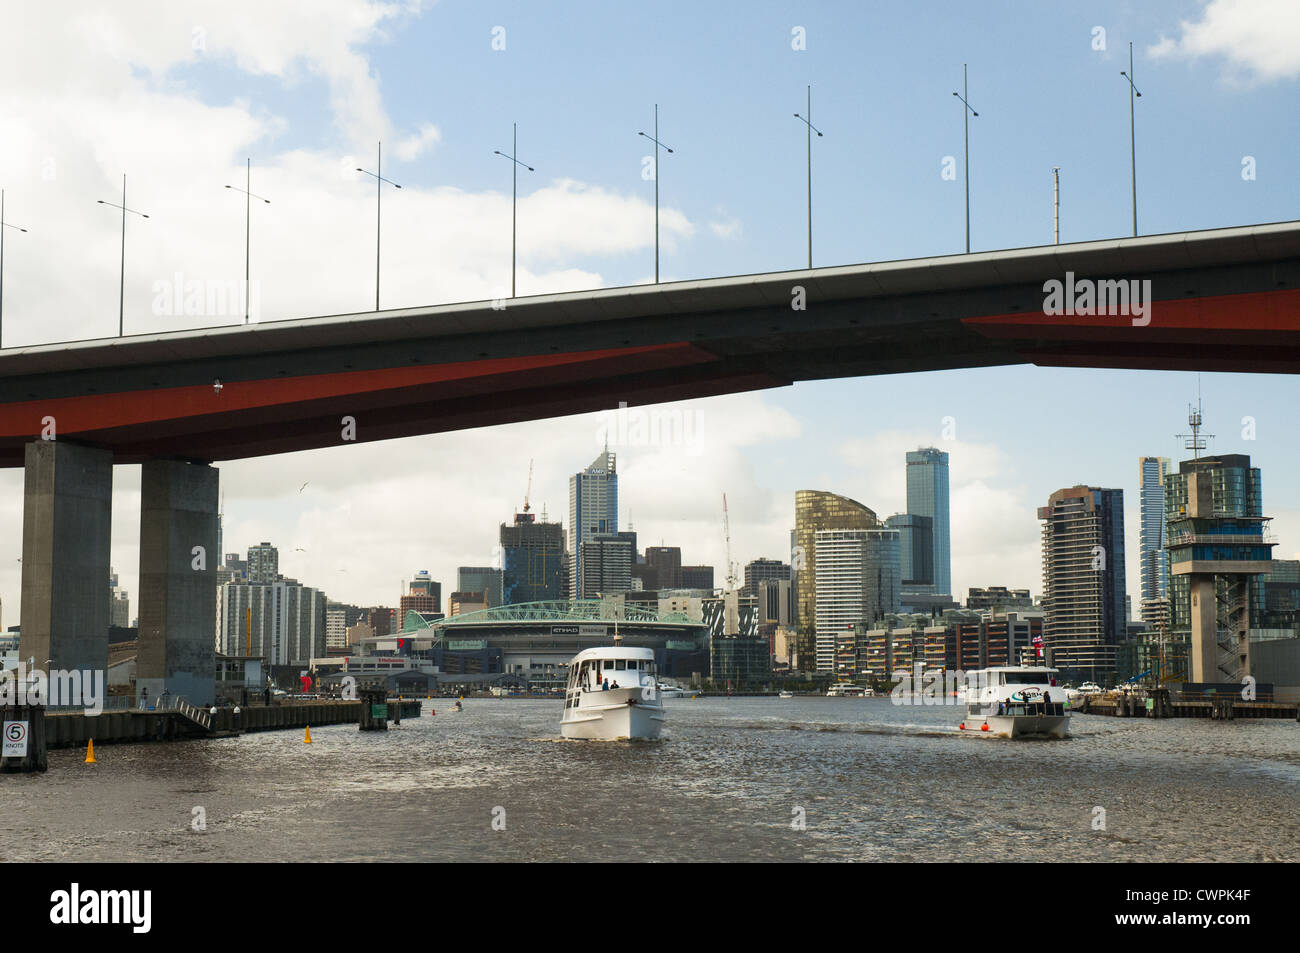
x: 67, y: 521
x: 178, y: 594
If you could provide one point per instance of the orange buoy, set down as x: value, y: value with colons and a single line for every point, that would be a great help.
x: 307, y: 740
x: 90, y: 752
x: 984, y: 727
x: 962, y: 726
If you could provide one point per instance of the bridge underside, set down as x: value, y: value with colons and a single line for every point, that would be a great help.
x: 1226, y: 300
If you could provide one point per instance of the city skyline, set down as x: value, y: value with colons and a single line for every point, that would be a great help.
x: 239, y: 91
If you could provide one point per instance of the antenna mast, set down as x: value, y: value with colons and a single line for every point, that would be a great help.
x: 528, y: 492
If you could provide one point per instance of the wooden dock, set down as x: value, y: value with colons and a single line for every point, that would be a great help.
x: 1225, y: 708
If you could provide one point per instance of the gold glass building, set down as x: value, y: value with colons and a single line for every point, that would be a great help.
x: 815, y: 510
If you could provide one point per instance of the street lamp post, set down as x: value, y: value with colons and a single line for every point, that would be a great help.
x: 248, y: 197
x: 378, y: 175
x: 1133, y: 95
x: 121, y: 287
x: 807, y: 121
x: 3, y: 226
x: 1056, y: 205
x: 655, y: 140
x: 967, y: 111
x: 514, y: 197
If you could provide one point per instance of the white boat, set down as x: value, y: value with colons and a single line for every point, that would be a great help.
x: 786, y: 695
x: 629, y: 707
x: 1020, y: 701
x: 667, y: 690
x: 846, y: 691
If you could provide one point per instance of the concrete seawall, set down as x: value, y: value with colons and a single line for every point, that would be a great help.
x: 74, y: 729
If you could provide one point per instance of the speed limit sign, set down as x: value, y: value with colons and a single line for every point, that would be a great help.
x: 15, y: 739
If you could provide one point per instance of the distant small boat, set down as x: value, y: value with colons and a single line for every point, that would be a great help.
x: 786, y: 695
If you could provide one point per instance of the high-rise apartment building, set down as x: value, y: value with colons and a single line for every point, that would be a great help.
x: 858, y: 581
x: 288, y: 621
x: 1083, y: 579
x: 606, y: 561
x: 532, y: 557
x: 593, y: 509
x: 263, y: 564
x: 816, y: 510
x: 927, y: 495
x: 1153, y: 559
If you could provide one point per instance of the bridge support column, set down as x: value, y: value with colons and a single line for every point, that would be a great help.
x: 178, y: 594
x: 67, y: 521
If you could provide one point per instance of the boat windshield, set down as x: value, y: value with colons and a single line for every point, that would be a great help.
x: 1025, y: 678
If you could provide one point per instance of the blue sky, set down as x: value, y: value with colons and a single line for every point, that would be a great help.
x: 307, y: 89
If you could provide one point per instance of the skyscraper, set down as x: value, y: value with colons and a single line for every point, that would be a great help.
x: 916, y: 550
x: 532, y: 557
x: 927, y: 495
x: 606, y: 561
x: 1154, y: 561
x: 593, y: 509
x: 1083, y: 579
x: 816, y: 510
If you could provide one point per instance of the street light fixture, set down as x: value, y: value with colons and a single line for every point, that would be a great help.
x: 248, y: 197
x: 3, y: 226
x: 379, y: 188
x: 121, y: 287
x: 807, y: 121
x: 967, y: 111
x: 514, y: 197
x: 655, y: 140
x: 1133, y: 95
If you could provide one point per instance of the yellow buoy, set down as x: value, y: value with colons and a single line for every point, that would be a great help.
x: 307, y: 740
x: 90, y: 752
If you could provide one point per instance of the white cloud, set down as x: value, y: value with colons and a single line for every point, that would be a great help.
x: 88, y: 91
x: 1258, y: 38
x: 416, y: 144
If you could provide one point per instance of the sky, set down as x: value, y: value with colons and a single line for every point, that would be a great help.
x: 177, y: 95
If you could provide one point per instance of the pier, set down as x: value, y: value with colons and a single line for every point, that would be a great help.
x: 64, y: 729
x: 1160, y: 705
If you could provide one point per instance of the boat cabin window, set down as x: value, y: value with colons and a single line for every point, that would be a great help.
x: 1024, y: 678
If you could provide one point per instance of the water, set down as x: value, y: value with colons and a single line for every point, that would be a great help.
x: 874, y: 781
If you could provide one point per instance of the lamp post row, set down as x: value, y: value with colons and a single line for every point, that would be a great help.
x: 968, y: 111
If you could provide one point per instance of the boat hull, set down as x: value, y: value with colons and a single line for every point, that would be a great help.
x: 612, y: 719
x: 1021, y: 726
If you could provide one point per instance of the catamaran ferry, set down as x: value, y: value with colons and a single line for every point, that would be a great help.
x: 1016, y: 702
x: 611, y: 694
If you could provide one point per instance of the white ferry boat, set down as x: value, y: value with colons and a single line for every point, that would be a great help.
x: 1016, y: 702
x: 611, y: 694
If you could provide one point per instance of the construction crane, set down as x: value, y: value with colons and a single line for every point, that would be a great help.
x: 726, y: 533
x: 528, y: 492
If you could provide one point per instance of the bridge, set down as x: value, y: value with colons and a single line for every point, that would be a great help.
x: 177, y: 402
